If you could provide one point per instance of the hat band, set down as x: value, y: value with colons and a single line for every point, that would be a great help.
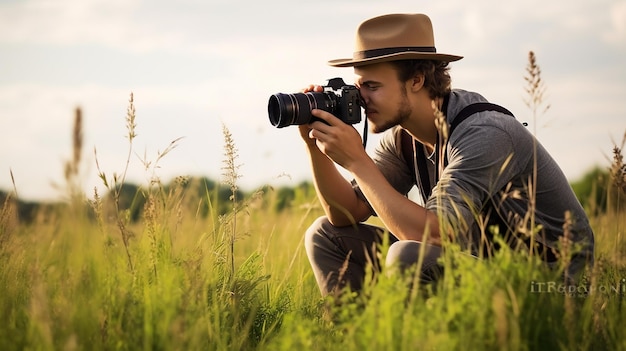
x: 366, y: 54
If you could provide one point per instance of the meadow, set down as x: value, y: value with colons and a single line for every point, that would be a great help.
x: 190, y: 270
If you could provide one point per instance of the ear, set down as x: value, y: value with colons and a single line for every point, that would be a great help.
x: 417, y: 82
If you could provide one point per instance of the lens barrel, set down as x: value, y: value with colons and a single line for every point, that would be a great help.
x: 295, y: 109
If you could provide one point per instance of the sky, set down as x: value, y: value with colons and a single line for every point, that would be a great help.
x: 196, y: 66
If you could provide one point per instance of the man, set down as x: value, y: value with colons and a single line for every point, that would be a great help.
x: 485, y: 174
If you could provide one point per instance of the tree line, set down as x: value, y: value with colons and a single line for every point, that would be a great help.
x: 205, y: 196
x: 200, y: 195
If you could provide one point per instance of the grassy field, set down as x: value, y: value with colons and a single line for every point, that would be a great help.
x: 86, y: 277
x: 186, y: 275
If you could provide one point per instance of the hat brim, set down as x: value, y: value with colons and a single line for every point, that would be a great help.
x: 350, y: 62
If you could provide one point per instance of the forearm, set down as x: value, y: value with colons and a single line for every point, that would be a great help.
x: 401, y: 216
x: 339, y: 201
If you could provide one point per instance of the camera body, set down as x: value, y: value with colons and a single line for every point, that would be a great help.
x: 338, y: 98
x: 348, y: 106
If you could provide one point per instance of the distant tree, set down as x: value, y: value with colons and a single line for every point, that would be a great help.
x: 596, y: 191
x: 131, y: 200
x: 204, y: 196
x: 284, y: 197
x: 25, y: 211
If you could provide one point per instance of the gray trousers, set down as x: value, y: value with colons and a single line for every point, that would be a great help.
x: 340, y: 256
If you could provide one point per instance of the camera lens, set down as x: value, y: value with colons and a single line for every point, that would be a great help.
x: 294, y: 109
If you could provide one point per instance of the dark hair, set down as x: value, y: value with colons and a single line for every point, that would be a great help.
x: 436, y: 74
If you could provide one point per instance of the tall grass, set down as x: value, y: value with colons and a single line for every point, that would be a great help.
x: 95, y: 280
x: 231, y: 175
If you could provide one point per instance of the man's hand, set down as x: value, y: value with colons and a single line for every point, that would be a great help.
x: 335, y: 139
x: 339, y: 141
x: 306, y: 128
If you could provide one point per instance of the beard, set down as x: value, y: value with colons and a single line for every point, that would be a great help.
x: 402, y: 114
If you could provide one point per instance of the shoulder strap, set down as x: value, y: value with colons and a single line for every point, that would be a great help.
x: 413, y: 150
x: 475, y: 108
x: 468, y: 111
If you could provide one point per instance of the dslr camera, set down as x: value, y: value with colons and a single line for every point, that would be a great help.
x: 338, y: 98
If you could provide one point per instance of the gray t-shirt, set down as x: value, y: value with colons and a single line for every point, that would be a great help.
x: 490, y: 156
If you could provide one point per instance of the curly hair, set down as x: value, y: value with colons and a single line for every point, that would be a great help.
x: 436, y: 74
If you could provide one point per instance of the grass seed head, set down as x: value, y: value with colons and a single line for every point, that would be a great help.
x: 618, y: 168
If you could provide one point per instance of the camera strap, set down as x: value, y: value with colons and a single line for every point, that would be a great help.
x: 365, y: 128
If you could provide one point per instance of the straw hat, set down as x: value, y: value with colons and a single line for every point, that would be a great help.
x: 394, y: 37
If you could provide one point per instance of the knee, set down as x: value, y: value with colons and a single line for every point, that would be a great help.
x: 403, y: 254
x: 317, y: 227
x: 316, y: 233
x: 406, y: 253
x: 403, y: 257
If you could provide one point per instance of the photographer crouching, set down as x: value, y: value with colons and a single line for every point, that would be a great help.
x: 463, y: 171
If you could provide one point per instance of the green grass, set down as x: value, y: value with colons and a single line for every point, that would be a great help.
x: 66, y: 283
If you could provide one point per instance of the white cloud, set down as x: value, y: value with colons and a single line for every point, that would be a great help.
x: 617, y: 32
x: 63, y: 22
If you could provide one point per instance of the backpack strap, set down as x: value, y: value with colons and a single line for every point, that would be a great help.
x: 413, y: 150
x: 475, y: 108
x: 468, y: 111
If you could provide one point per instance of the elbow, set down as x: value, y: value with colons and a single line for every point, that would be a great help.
x: 427, y: 235
x: 432, y: 229
x: 340, y: 219
x: 425, y: 230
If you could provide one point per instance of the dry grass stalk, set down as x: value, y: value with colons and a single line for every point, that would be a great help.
x: 151, y: 217
x: 147, y: 164
x: 535, y: 90
x: 8, y: 220
x: 126, y: 235
x: 77, y: 146
x: 440, y: 122
x: 566, y: 245
x: 618, y: 168
x: 118, y: 183
x: 177, y: 195
x: 96, y: 205
x: 118, y: 180
x: 72, y: 166
x: 339, y: 288
x: 231, y: 168
x: 231, y: 174
x: 130, y: 119
x: 618, y: 178
x: 535, y: 87
x: 442, y: 127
